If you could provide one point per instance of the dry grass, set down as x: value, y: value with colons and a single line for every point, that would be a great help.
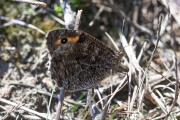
x: 146, y: 85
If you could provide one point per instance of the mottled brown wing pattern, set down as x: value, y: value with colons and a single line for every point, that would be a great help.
x: 81, y: 62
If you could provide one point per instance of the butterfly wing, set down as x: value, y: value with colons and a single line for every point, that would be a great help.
x: 80, y: 63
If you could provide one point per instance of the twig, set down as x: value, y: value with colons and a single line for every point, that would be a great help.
x: 155, y: 48
x: 50, y: 101
x: 24, y: 108
x: 141, y: 52
x: 18, y: 22
x: 162, y: 76
x: 5, y: 109
x: 141, y: 96
x: 94, y: 111
x: 97, y: 15
x: 112, y: 41
x: 89, y: 103
x: 60, y: 102
x: 78, y: 17
x: 158, y: 39
x: 152, y: 95
x: 120, y: 86
x: 119, y: 12
x: 133, y: 98
x: 129, y: 76
x: 129, y: 51
x: 100, y: 97
x: 177, y: 79
x: 134, y: 69
x: 9, y: 112
x: 69, y: 14
x: 56, y: 19
x: 41, y: 4
x: 104, y: 112
x: 8, y: 92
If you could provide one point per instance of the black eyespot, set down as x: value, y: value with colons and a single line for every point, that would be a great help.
x: 64, y: 40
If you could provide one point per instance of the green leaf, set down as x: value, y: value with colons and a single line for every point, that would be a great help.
x: 58, y: 9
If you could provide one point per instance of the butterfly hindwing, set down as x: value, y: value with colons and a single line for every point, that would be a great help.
x: 79, y: 60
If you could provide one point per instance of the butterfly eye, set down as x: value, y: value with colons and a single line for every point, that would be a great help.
x: 64, y: 40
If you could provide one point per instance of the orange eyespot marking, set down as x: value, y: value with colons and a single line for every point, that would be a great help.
x: 57, y: 43
x: 65, y: 40
x: 73, y: 39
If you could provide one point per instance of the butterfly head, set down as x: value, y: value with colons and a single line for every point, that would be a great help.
x: 61, y: 37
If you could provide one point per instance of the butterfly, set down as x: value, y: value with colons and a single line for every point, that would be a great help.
x: 78, y: 60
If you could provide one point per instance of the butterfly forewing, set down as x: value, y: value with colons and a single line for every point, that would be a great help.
x: 79, y: 60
